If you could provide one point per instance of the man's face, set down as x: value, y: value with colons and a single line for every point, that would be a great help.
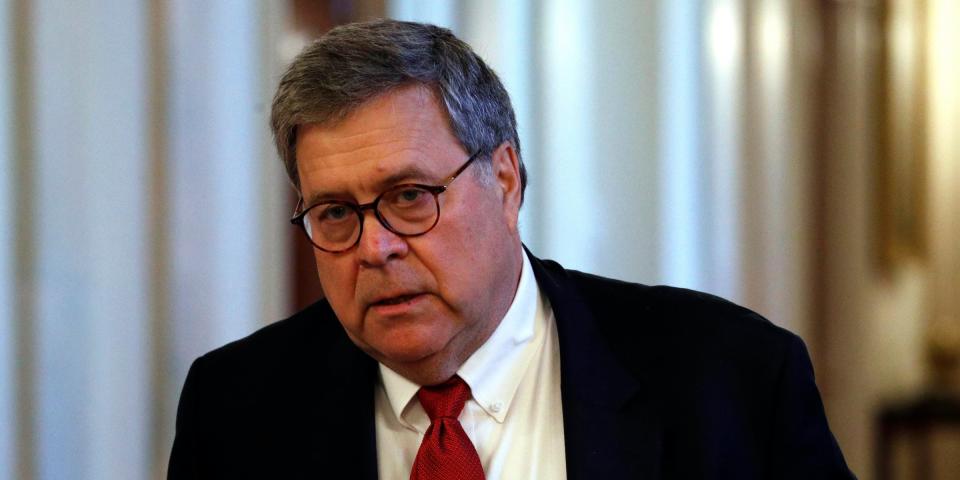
x: 420, y: 305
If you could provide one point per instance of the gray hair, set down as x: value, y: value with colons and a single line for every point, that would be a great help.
x: 354, y: 63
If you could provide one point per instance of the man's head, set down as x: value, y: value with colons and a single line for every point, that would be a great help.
x: 354, y: 63
x: 373, y: 106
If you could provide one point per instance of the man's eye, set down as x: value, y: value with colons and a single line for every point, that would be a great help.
x: 407, y: 198
x: 410, y: 195
x: 334, y: 213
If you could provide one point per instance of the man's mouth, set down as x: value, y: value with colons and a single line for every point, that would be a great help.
x: 396, y: 300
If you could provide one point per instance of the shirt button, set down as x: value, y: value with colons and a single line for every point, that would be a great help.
x: 496, y: 406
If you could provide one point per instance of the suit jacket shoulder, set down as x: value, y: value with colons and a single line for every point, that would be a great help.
x: 680, y: 326
x: 718, y: 390
x: 263, y: 406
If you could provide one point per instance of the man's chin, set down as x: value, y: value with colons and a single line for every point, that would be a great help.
x: 422, y: 364
x: 411, y: 355
x: 409, y: 339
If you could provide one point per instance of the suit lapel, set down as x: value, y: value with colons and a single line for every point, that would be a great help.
x: 342, y: 424
x: 611, y: 428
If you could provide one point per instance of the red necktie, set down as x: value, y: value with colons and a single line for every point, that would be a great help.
x: 446, y: 452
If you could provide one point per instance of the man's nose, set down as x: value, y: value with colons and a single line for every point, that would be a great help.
x: 378, y: 244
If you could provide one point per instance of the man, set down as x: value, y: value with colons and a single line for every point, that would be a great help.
x: 442, y: 348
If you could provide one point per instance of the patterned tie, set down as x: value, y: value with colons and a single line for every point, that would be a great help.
x: 446, y: 452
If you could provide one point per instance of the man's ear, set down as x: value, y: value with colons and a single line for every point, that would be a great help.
x: 506, y: 173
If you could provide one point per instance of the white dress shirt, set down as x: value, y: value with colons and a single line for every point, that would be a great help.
x: 514, y: 417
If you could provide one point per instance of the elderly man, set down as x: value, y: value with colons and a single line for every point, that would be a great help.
x: 445, y: 350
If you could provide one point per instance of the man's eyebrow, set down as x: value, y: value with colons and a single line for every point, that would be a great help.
x: 408, y: 174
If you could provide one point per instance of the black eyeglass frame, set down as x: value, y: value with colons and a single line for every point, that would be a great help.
x: 436, y: 190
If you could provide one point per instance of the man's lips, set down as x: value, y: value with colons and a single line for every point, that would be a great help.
x: 394, y: 299
x: 396, y: 305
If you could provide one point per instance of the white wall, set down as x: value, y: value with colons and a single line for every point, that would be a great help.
x: 8, y: 167
x: 226, y: 196
x: 944, y: 146
x: 136, y: 184
x: 91, y: 365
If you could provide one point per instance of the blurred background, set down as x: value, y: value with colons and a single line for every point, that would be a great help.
x: 801, y: 157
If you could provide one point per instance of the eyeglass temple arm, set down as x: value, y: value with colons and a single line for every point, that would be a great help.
x: 297, y: 213
x: 460, y: 170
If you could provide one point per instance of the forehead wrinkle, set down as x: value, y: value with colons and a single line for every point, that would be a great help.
x: 408, y: 121
x: 383, y: 174
x: 327, y: 149
x: 358, y: 154
x: 369, y: 158
x: 375, y: 185
x: 381, y: 142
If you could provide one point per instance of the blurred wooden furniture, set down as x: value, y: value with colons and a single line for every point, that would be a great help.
x: 915, y: 423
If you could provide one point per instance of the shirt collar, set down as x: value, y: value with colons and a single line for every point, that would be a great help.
x: 400, y: 391
x: 494, y: 371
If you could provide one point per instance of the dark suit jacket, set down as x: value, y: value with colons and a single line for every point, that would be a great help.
x: 657, y: 382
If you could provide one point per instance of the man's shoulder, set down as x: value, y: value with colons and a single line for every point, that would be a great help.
x: 258, y: 406
x: 670, y: 307
x: 283, y: 346
x: 718, y: 377
x: 668, y: 322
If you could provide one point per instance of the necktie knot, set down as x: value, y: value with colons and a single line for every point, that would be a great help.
x: 445, y: 400
x: 446, y: 452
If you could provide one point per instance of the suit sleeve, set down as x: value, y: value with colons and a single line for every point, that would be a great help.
x: 185, y: 458
x: 805, y: 446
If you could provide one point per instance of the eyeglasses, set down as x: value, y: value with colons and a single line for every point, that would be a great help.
x: 408, y: 210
